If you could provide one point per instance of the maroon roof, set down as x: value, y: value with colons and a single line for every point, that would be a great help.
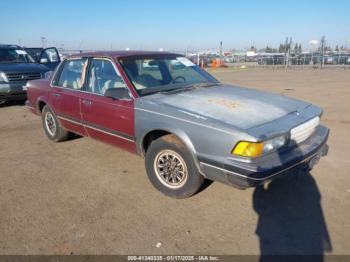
x: 122, y: 53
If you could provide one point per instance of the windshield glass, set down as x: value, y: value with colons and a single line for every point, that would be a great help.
x: 15, y: 56
x: 160, y: 73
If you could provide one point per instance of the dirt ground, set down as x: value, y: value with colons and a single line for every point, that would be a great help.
x: 85, y: 197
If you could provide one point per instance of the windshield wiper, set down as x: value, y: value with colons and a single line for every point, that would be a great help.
x: 170, y: 89
x: 201, y: 84
x: 177, y: 89
x: 189, y: 87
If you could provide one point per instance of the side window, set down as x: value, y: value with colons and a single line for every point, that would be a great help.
x: 103, y: 76
x: 50, y: 55
x: 73, y: 74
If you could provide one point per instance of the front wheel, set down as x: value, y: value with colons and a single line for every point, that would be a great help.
x: 52, y: 127
x: 171, y: 169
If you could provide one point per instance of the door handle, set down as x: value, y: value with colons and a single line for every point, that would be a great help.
x: 56, y: 95
x: 86, y: 102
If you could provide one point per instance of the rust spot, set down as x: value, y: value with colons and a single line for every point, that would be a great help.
x: 225, y: 103
x: 172, y: 139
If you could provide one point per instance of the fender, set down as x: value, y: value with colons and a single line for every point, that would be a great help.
x: 41, y: 98
x: 170, y: 128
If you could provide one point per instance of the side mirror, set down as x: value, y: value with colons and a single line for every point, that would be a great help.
x: 117, y: 93
x: 43, y: 60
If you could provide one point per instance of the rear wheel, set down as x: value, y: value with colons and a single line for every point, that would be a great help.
x: 171, y: 168
x: 52, y: 127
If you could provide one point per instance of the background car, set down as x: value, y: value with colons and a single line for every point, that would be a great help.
x: 17, y: 67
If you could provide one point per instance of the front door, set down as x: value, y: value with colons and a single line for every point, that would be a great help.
x: 50, y: 58
x: 66, y: 92
x: 104, y: 118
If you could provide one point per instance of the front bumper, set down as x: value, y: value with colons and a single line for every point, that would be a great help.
x: 269, y: 167
x: 13, y: 91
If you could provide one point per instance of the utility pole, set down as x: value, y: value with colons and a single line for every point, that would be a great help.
x: 323, y: 41
x: 43, y: 41
x: 220, y: 52
x: 285, y: 52
x: 289, y: 49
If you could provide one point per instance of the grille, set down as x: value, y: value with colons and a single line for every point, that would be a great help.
x: 22, y: 76
x: 300, y: 133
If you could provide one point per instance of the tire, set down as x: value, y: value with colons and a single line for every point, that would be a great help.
x: 168, y: 158
x: 52, y: 127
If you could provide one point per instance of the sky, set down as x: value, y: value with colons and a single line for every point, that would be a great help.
x: 172, y: 24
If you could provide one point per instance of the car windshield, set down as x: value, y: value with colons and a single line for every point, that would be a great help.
x: 15, y: 56
x: 154, y: 74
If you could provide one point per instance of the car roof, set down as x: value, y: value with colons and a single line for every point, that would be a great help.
x: 117, y: 54
x: 2, y: 46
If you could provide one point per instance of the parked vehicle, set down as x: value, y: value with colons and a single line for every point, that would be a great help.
x: 186, y: 124
x: 34, y: 52
x: 271, y: 60
x: 17, y: 67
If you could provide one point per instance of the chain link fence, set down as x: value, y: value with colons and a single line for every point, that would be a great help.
x: 305, y: 60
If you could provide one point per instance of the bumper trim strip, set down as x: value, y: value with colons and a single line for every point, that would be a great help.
x: 264, y: 178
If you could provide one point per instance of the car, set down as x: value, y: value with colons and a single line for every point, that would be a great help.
x: 186, y: 124
x: 17, y: 67
x: 34, y: 52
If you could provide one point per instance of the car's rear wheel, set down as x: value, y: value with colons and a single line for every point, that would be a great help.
x: 171, y: 169
x: 52, y: 127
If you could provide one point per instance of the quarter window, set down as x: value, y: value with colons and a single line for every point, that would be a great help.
x: 73, y: 74
x: 103, y: 76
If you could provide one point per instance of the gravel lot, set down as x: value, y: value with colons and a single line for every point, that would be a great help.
x: 85, y: 197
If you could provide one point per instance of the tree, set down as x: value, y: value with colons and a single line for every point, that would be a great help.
x: 281, y: 48
x: 252, y: 48
x: 296, y: 48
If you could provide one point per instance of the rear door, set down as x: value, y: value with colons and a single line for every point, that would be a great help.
x: 104, y: 118
x: 65, y: 94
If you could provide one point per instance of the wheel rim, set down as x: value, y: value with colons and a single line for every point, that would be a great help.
x: 50, y: 124
x: 170, y: 169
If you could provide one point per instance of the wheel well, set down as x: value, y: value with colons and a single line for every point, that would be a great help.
x: 41, y: 105
x: 151, y: 136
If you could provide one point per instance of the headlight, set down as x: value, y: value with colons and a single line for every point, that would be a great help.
x: 274, y: 144
x: 253, y: 149
x: 3, y: 77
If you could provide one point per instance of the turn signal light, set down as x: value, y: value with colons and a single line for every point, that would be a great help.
x: 248, y: 149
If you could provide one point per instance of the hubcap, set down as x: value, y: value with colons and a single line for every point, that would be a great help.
x: 170, y: 168
x: 50, y: 124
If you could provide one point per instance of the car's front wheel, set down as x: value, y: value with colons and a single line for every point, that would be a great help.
x: 171, y: 169
x: 52, y: 127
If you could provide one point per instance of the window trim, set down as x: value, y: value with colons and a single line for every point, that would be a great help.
x: 158, y: 56
x: 59, y: 70
x: 116, y: 71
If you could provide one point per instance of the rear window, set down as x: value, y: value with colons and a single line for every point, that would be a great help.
x: 73, y: 74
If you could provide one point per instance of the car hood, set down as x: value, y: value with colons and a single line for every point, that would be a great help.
x: 240, y: 107
x: 23, y: 68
